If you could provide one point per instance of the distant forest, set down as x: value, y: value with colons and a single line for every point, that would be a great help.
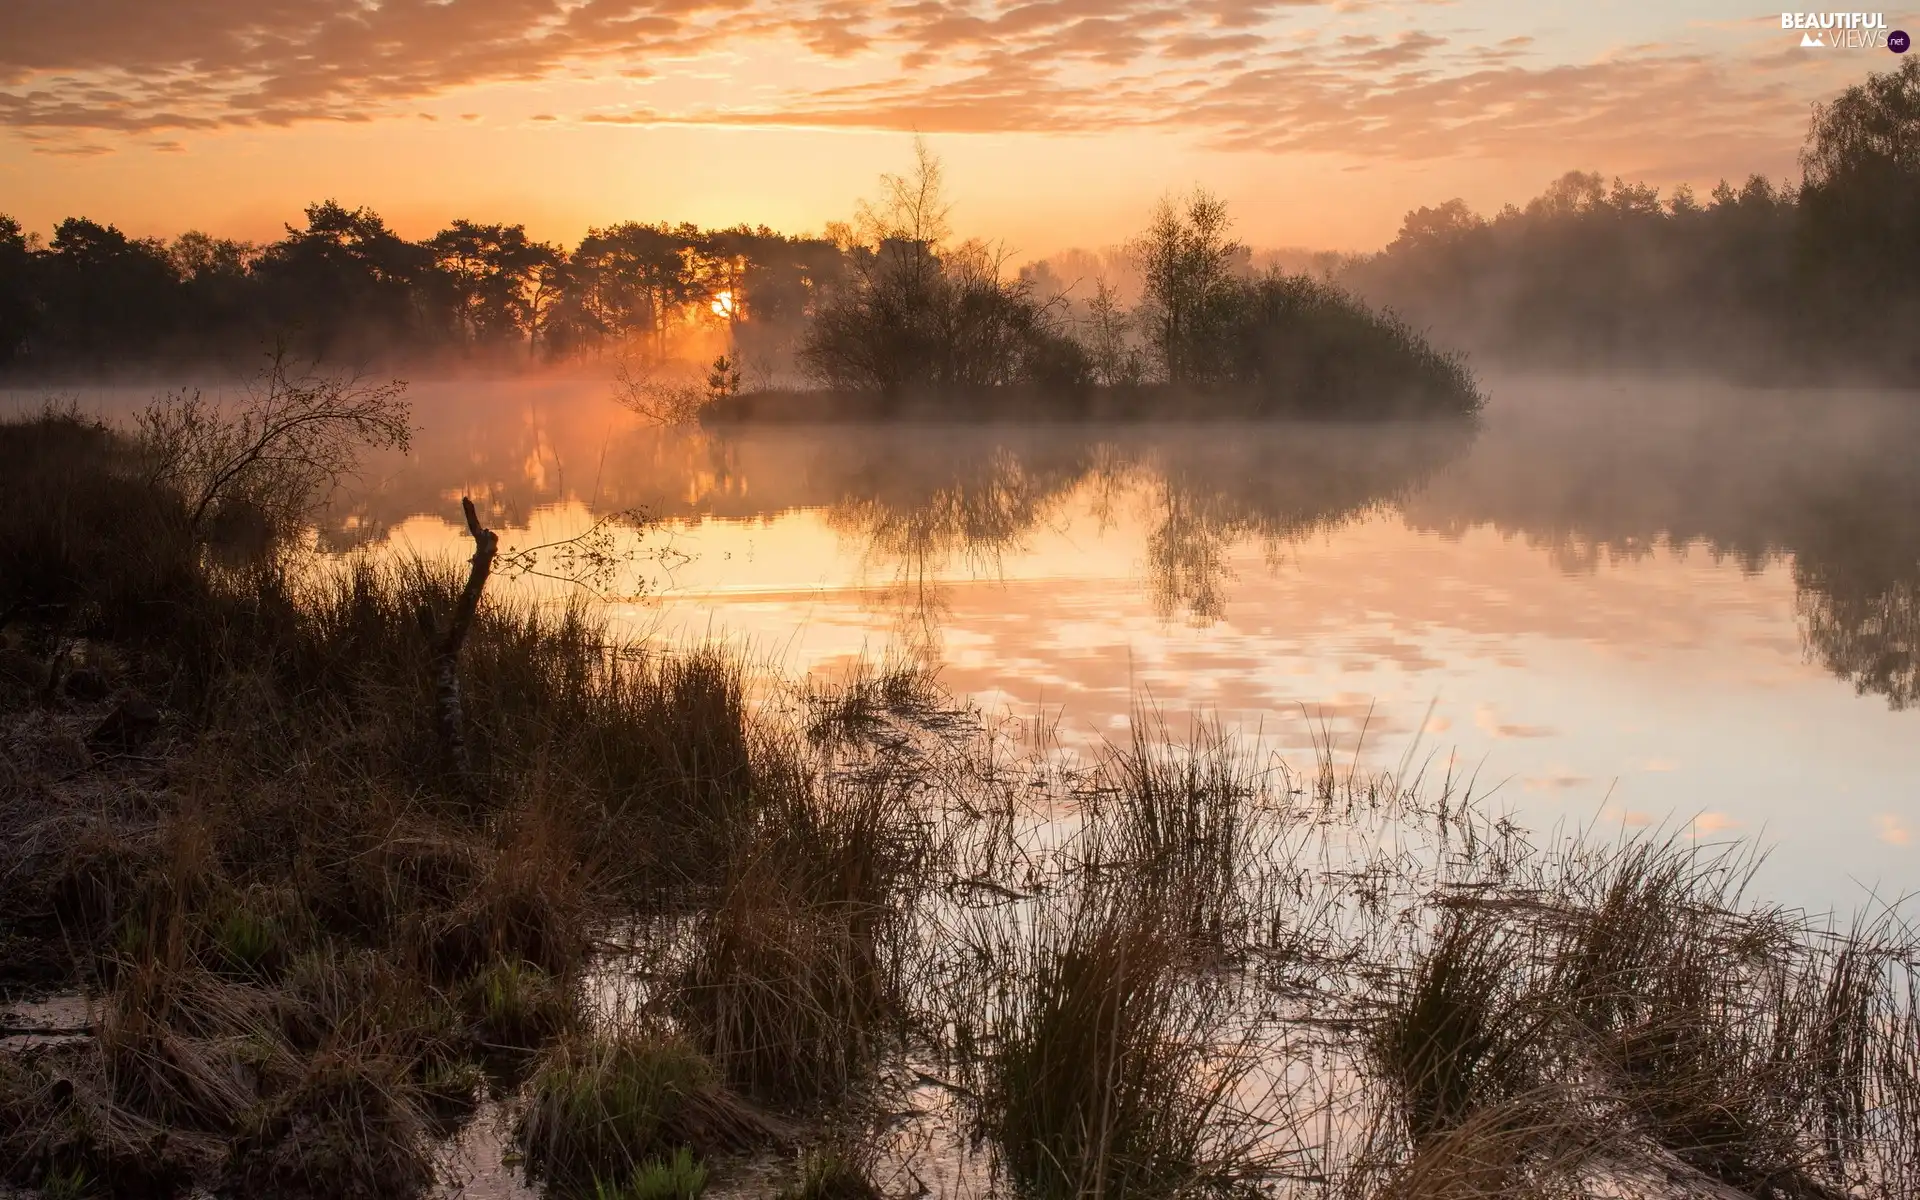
x: 342, y: 285
x: 1815, y: 278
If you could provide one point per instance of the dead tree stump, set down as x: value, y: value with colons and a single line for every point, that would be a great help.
x: 448, y: 716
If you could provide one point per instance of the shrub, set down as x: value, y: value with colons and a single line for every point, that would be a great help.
x: 1296, y: 345
x: 116, y: 552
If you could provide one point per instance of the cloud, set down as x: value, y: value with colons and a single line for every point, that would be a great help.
x: 134, y: 65
x: 1488, y: 721
x: 1251, y: 75
x: 1709, y: 823
x: 1557, y: 779
x: 1892, y: 830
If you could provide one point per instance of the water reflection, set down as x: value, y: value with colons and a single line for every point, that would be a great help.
x: 927, y: 506
x: 1631, y: 602
x: 1828, y: 482
x: 1589, y: 473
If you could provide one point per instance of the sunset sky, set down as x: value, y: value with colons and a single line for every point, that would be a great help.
x: 1059, y: 121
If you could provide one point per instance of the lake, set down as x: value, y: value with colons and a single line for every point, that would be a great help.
x: 1618, y: 605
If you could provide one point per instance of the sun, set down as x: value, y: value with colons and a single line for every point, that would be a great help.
x: 723, y: 304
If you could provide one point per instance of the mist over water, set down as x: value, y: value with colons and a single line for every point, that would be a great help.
x: 1620, y: 602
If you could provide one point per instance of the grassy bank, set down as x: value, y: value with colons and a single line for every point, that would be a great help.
x: 671, y: 919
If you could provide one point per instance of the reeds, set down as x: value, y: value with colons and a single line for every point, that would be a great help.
x: 1180, y: 825
x: 792, y: 985
x: 1167, y: 969
x: 1103, y: 1061
x: 1627, y: 1015
x: 1462, y: 1036
x: 604, y: 1106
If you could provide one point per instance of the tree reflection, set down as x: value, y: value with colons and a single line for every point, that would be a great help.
x: 1825, y: 482
x: 926, y: 507
x: 921, y: 508
x: 1591, y: 474
x: 1858, y: 586
x: 1869, y: 638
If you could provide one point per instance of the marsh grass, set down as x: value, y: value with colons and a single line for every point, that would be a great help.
x: 1103, y: 1061
x: 1532, y: 1146
x: 1752, y: 1045
x: 873, y: 701
x: 1162, y: 968
x: 301, y: 935
x: 679, y: 1177
x: 1625, y: 1015
x: 1180, y: 824
x: 59, y: 1128
x: 1463, y: 1036
x: 351, y: 1124
x: 834, y: 1171
x: 514, y: 1005
x: 793, y: 982
x: 605, y: 1105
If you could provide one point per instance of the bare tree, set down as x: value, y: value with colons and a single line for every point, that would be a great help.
x: 448, y: 641
x: 1187, y: 262
x: 1116, y: 361
x: 912, y: 207
x: 294, y: 439
x: 659, y: 393
x: 905, y: 232
x: 921, y: 314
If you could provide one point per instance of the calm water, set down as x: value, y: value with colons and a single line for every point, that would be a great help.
x: 1620, y: 604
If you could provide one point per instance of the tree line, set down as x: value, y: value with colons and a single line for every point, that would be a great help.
x: 1819, y: 277
x: 1816, y: 277
x: 344, y: 285
x: 889, y: 305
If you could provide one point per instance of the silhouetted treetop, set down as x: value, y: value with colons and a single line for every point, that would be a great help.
x: 1870, y: 127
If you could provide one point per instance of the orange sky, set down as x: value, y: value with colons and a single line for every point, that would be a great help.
x: 1059, y: 120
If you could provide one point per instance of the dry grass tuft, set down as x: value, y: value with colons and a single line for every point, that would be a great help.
x: 351, y: 1125
x: 1179, y: 824
x: 834, y: 1172
x: 603, y: 1106
x: 1461, y: 1038
x: 792, y: 987
x: 518, y: 1006
x: 1106, y: 1065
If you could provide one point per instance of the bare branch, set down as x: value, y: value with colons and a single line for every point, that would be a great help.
x: 295, y: 439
